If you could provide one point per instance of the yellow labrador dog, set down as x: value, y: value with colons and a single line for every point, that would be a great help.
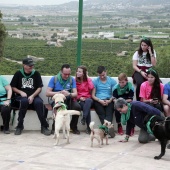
x: 100, y: 133
x: 62, y: 117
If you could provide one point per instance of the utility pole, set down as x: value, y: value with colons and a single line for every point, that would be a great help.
x: 79, y: 43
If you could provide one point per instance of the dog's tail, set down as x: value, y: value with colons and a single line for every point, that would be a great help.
x: 92, y: 126
x: 70, y: 112
x: 73, y: 112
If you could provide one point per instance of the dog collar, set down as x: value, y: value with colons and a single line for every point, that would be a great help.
x: 104, y: 128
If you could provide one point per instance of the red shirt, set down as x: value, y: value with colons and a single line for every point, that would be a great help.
x: 84, y: 88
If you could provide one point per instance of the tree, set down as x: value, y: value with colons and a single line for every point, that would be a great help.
x: 2, y: 36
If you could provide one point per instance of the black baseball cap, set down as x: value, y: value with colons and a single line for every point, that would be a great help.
x: 28, y: 61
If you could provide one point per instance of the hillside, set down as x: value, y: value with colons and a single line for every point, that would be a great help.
x: 94, y: 53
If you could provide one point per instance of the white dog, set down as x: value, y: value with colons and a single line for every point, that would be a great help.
x: 62, y: 117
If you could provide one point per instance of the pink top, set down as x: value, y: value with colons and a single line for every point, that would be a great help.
x: 84, y: 88
x: 145, y: 90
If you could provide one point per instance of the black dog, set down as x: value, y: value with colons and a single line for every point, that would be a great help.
x: 160, y: 127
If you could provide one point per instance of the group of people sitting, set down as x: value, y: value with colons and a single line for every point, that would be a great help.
x: 82, y: 93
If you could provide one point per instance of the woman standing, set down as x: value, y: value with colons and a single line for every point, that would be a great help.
x: 5, y: 97
x: 151, y: 91
x: 143, y: 59
x: 84, y: 87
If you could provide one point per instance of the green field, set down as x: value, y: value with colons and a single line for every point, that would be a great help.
x: 94, y: 53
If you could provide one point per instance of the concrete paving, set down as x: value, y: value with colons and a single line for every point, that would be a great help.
x: 34, y: 151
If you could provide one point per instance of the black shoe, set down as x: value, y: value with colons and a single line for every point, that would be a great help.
x: 77, y: 132
x: 88, y: 131
x: 83, y: 121
x: 18, y: 131
x: 6, y: 131
x: 45, y: 131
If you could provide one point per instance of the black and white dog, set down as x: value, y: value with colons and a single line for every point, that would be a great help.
x: 160, y: 127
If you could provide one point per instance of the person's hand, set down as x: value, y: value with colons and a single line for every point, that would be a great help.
x: 103, y: 102
x: 126, y: 139
x: 6, y: 102
x: 65, y: 92
x: 144, y: 74
x: 149, y: 49
x: 30, y: 99
x: 107, y: 102
x: 23, y: 94
x: 82, y: 99
x: 123, y: 141
x: 155, y: 101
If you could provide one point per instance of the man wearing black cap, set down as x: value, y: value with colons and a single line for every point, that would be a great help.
x: 27, y: 84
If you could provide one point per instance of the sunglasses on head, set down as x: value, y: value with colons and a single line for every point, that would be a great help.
x: 145, y: 38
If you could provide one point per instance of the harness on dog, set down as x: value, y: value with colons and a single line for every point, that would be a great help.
x: 104, y: 129
x: 160, y: 123
x: 148, y: 125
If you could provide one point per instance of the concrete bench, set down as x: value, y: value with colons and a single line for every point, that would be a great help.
x: 31, y: 121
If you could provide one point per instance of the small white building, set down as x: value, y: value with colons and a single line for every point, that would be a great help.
x: 106, y: 34
x: 88, y: 35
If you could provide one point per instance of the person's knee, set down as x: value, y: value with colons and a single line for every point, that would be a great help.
x: 143, y: 139
x: 76, y: 106
x: 89, y: 100
x: 24, y: 103
x: 24, y: 100
x: 38, y: 102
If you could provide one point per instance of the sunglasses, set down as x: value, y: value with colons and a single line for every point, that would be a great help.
x: 66, y: 74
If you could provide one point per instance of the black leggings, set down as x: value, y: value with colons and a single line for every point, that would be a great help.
x: 5, y: 112
x: 139, y: 79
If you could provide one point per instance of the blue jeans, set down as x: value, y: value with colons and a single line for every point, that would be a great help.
x: 85, y: 107
x: 36, y: 105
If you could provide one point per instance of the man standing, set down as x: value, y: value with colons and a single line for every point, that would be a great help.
x: 27, y: 84
x: 65, y: 84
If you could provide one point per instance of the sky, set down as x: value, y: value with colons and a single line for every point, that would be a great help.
x: 35, y: 2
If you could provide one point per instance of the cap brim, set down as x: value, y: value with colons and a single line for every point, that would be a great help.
x: 30, y: 64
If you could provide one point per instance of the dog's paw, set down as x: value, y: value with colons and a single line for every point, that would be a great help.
x: 157, y: 157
